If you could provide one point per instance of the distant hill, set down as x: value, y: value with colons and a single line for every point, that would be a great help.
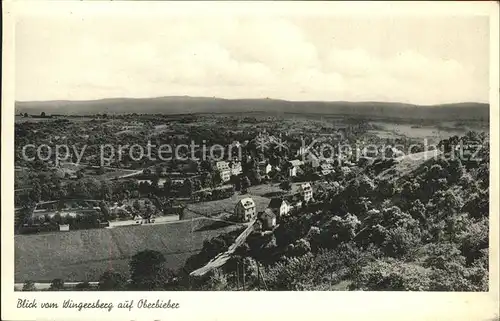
x: 186, y: 104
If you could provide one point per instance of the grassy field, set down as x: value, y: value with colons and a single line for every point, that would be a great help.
x: 394, y: 130
x: 408, y: 163
x: 84, y: 255
x: 271, y: 190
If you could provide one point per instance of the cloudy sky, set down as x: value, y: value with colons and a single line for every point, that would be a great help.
x: 407, y: 59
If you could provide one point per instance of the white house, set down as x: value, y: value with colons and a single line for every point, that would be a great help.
x: 236, y: 168
x: 264, y: 168
x: 306, y: 191
x: 222, y: 165
x: 236, y: 144
x: 294, y: 202
x: 245, y: 209
x: 279, y: 206
x: 294, y: 166
x: 224, y: 170
x: 326, y: 168
x: 302, y: 150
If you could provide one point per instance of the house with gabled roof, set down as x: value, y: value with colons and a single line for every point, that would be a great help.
x: 224, y: 170
x: 245, y: 209
x: 294, y: 201
x: 326, y: 168
x: 264, y: 168
x: 306, y: 191
x: 294, y: 167
x: 279, y: 206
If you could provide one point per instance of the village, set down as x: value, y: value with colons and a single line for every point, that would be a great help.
x: 279, y: 185
x: 275, y: 167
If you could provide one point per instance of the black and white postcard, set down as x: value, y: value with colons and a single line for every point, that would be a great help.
x: 240, y: 160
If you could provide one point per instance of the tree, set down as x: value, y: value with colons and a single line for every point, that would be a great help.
x: 236, y: 181
x: 42, y: 114
x: 206, y: 179
x: 149, y: 212
x: 392, y: 275
x: 148, y: 272
x: 245, y: 184
x: 187, y: 187
x: 216, y: 179
x: 36, y: 192
x: 167, y: 186
x: 57, y: 284
x: 29, y: 286
x: 26, y: 115
x: 286, y: 185
x: 112, y: 281
x: 255, y: 176
x: 80, y: 174
x: 104, y: 210
x: 105, y: 191
x: 137, y: 206
x: 206, y: 166
x: 82, y: 286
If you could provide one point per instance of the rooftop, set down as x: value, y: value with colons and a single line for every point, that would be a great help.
x: 247, y: 202
x: 276, y: 202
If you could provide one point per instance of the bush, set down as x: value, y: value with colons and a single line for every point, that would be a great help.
x: 29, y: 286
x: 57, y: 285
x: 392, y: 275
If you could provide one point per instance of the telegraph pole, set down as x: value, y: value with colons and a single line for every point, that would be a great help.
x: 243, y: 275
x: 238, y: 276
x: 258, y: 274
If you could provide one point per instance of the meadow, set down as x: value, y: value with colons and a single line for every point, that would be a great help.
x: 85, y: 254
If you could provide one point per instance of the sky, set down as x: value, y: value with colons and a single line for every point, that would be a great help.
x: 410, y: 59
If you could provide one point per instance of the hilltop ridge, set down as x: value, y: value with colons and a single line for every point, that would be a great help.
x: 188, y: 104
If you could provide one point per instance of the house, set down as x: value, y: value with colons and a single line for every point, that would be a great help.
x: 369, y: 152
x: 392, y: 152
x: 326, y: 168
x: 264, y: 168
x: 222, y: 165
x: 279, y: 206
x: 236, y: 144
x: 302, y: 151
x: 294, y: 201
x: 245, y: 209
x: 267, y: 219
x: 224, y: 170
x: 63, y: 227
x: 312, y: 159
x: 306, y: 191
x: 294, y: 166
x: 236, y: 168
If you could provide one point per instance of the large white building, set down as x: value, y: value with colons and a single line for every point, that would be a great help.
x: 245, y: 209
x: 236, y: 168
x: 224, y: 170
x: 306, y: 191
